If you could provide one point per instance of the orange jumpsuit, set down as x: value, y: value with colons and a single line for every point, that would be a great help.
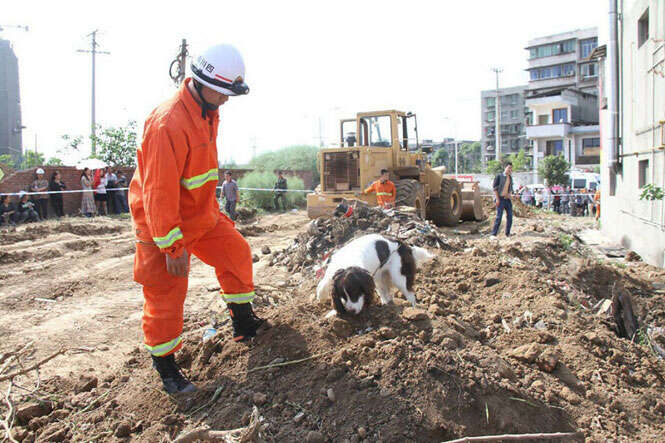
x: 174, y: 209
x: 385, y: 192
x: 596, y: 198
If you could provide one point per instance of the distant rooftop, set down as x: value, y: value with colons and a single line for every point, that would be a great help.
x: 593, y: 32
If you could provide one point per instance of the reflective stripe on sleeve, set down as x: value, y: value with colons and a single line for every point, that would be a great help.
x: 170, y: 238
x: 199, y: 180
x: 384, y: 193
x: 247, y: 297
x: 164, y: 348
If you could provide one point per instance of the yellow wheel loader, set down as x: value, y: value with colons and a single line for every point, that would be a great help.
x: 384, y: 140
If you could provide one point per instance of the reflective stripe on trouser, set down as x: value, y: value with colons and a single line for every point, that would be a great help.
x: 222, y: 248
x: 164, y: 348
x: 247, y: 297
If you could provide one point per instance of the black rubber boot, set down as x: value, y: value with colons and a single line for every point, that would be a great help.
x: 245, y: 322
x: 173, y: 380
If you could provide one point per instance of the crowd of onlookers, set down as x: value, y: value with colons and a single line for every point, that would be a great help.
x: 102, y: 194
x: 562, y: 200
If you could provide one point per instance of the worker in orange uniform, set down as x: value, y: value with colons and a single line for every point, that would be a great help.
x: 596, y: 199
x: 384, y: 189
x: 176, y: 214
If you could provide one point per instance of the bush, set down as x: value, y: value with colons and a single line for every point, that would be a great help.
x: 290, y: 158
x: 264, y: 199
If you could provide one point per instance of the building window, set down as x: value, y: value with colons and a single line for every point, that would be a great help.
x: 560, y: 115
x: 489, y: 116
x: 556, y: 71
x: 553, y: 49
x: 514, y: 113
x: 504, y: 115
x: 490, y: 101
x: 591, y: 146
x: 510, y: 99
x: 589, y: 70
x: 642, y: 173
x: 643, y: 29
x: 587, y: 46
x: 554, y: 147
x: 543, y: 119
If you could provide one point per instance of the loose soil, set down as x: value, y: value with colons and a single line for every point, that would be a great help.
x: 506, y: 339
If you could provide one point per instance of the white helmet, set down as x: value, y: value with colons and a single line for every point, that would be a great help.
x: 222, y: 69
x: 39, y: 171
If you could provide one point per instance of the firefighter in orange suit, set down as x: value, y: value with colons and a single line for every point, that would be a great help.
x: 176, y: 214
x: 384, y: 189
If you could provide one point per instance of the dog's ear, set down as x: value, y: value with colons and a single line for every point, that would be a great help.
x: 337, y: 291
x: 362, y: 279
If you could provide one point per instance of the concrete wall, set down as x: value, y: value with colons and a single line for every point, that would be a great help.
x: 636, y: 224
x: 21, y: 180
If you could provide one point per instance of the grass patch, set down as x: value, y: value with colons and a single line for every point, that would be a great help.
x: 566, y: 241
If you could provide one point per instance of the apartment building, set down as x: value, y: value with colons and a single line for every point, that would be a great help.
x: 561, y: 98
x: 633, y: 126
x: 512, y: 109
x: 10, y: 104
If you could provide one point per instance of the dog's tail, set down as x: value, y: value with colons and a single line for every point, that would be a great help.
x: 421, y: 255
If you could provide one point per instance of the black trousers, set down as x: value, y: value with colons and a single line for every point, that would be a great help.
x: 56, y: 202
x: 279, y: 196
x: 41, y: 206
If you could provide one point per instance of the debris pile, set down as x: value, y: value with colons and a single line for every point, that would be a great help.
x: 323, y: 235
x: 519, y: 209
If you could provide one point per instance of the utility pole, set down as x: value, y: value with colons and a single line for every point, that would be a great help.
x: 179, y: 64
x: 94, y: 51
x: 497, y: 111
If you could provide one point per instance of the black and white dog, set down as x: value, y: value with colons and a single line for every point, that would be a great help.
x: 368, y: 263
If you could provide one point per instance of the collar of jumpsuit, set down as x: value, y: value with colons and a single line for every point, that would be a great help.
x: 194, y: 108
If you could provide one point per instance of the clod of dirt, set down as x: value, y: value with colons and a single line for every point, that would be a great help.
x: 314, y: 437
x: 341, y: 328
x: 492, y: 279
x: 31, y: 410
x: 86, y: 384
x: 259, y: 398
x: 123, y: 430
x: 255, y: 258
x: 414, y: 314
x: 632, y: 256
x: 265, y: 250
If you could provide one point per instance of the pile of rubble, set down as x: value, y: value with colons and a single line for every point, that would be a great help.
x: 324, y: 235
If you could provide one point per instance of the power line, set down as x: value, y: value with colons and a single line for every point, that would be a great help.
x: 94, y: 51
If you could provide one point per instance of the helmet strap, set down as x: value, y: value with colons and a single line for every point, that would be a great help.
x: 205, y: 106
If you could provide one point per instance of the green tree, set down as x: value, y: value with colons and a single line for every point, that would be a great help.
x: 8, y: 160
x: 441, y: 157
x: 289, y: 158
x: 469, y: 158
x: 494, y: 167
x: 266, y: 180
x: 54, y: 161
x: 554, y: 169
x: 32, y: 159
x: 117, y: 145
x: 519, y: 161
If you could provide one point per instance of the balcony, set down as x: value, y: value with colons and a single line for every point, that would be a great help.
x: 587, y: 160
x: 556, y: 130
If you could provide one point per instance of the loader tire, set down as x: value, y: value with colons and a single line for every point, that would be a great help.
x: 410, y: 193
x: 446, y: 209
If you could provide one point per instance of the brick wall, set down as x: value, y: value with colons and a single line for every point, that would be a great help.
x: 21, y: 180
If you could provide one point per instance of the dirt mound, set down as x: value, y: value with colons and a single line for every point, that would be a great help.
x: 82, y: 227
x: 326, y: 234
x: 519, y: 209
x: 34, y: 255
x: 499, y: 346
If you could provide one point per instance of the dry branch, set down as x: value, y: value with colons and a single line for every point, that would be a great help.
x: 8, y: 422
x: 287, y: 363
x: 513, y: 437
x: 240, y: 435
x: 31, y: 368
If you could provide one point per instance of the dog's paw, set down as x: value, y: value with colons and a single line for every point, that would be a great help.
x: 331, y: 314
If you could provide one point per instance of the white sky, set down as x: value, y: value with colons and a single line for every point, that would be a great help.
x: 305, y: 60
